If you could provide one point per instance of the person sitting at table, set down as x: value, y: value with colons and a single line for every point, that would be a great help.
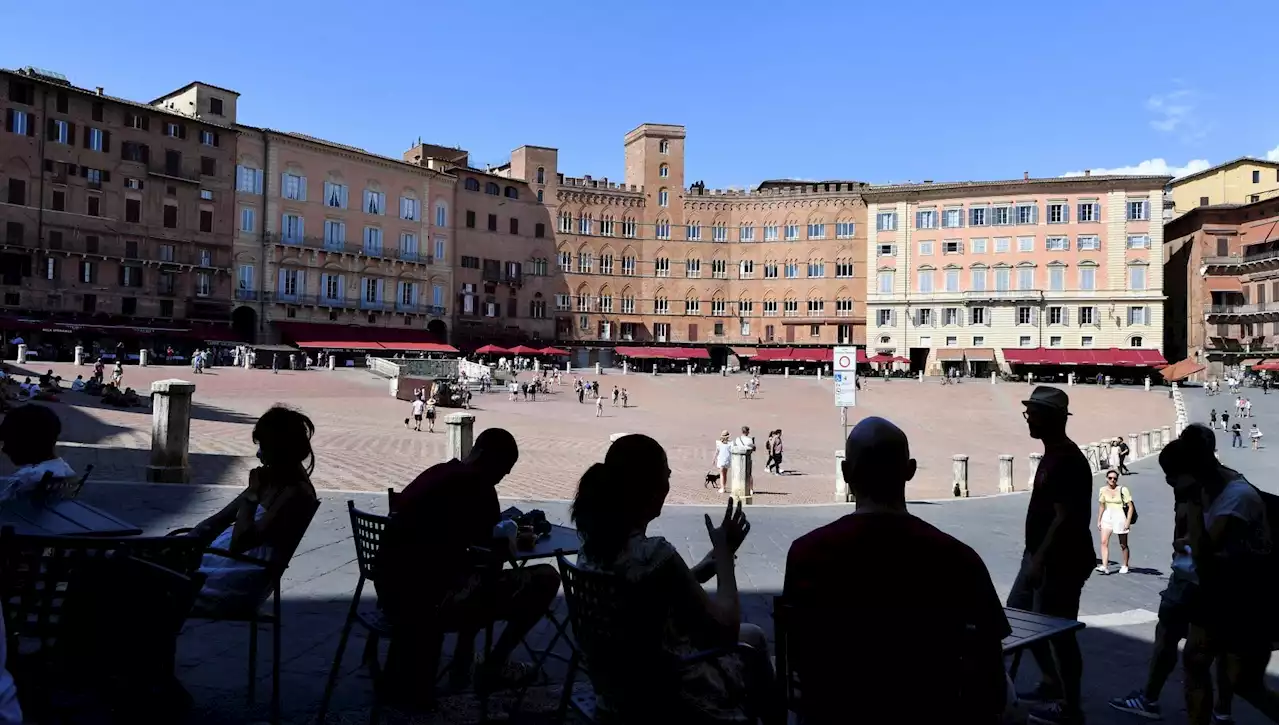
x: 77, y: 385
x: 922, y: 629
x: 271, y: 512
x: 30, y: 436
x: 615, y: 503
x: 430, y: 579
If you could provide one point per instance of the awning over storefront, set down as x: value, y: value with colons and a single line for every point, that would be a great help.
x: 950, y: 354
x: 346, y: 337
x: 980, y: 354
x: 1115, y: 356
x: 793, y: 354
x: 880, y: 358
x: 418, y: 346
x: 1181, y: 370
x: 744, y: 351
x: 1223, y: 284
x: 1250, y: 362
x: 553, y: 351
x: 1273, y: 365
x: 663, y: 353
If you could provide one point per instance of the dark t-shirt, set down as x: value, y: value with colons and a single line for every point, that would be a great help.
x: 887, y: 610
x: 1064, y: 477
x: 424, y: 549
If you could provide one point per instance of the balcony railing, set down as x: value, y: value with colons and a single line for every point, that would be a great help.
x: 344, y: 247
x: 1249, y: 309
x: 1246, y: 258
x: 169, y: 171
x: 348, y: 303
x: 1007, y: 294
x: 247, y: 295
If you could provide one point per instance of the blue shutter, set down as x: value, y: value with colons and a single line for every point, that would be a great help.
x: 280, y: 284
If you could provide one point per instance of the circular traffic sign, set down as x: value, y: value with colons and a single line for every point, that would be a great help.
x: 845, y: 361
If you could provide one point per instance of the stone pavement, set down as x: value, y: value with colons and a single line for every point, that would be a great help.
x: 360, y: 428
x: 318, y: 586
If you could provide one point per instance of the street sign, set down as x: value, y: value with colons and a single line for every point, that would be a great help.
x: 844, y: 372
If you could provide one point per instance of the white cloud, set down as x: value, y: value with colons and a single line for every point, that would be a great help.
x: 1175, y: 113
x: 1150, y: 167
x: 1274, y: 154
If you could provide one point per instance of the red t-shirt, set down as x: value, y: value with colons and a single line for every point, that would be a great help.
x: 439, y: 515
x: 887, y: 612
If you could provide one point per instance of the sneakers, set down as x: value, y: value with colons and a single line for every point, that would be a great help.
x: 1102, y: 569
x: 1137, y: 703
x: 1124, y: 570
x: 1054, y: 714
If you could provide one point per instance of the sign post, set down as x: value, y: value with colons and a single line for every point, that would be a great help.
x: 844, y: 370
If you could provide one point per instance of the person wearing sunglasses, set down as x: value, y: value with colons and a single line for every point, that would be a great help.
x: 1115, y: 515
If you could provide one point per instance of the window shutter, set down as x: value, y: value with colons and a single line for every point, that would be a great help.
x: 302, y: 188
x: 1035, y: 213
x: 302, y: 281
x: 302, y: 223
x: 85, y: 140
x: 342, y: 287
x: 216, y: 138
x: 1097, y: 211
x: 1066, y: 315
x: 84, y: 172
x: 380, y: 286
x: 106, y: 176
x: 1146, y: 210
x: 280, y: 286
x: 8, y: 120
x: 182, y: 130
x: 50, y: 130
x: 1146, y: 315
x: 146, y: 153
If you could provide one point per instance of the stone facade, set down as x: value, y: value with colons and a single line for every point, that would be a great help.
x: 1241, y: 181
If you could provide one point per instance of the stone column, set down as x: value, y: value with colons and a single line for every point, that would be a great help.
x: 1166, y: 436
x: 567, y: 369
x: 1071, y: 379
x: 1095, y: 463
x: 1108, y: 381
x: 739, y: 460
x: 688, y: 369
x: 655, y: 370
x: 1006, y: 473
x: 624, y: 367
x: 819, y: 374
x: 920, y: 377
x: 22, y: 354
x: 993, y: 377
x: 1146, y: 383
x: 597, y: 368
x: 843, y: 494
x: 170, y: 430
x: 786, y: 372
x: 1104, y: 453
x: 458, y: 426
x: 1146, y: 443
x: 1033, y: 465
x: 333, y: 362
x: 960, y: 475
x: 1133, y: 447
x: 144, y: 356
x: 79, y: 354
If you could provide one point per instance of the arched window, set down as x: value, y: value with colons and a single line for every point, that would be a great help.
x: 471, y: 185
x: 1135, y: 341
x: 664, y: 146
x: 539, y: 196
x: 492, y: 189
x: 664, y: 171
x: 663, y: 197
x: 511, y: 193
x: 442, y: 214
x: 542, y: 175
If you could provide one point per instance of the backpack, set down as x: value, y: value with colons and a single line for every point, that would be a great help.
x: 1124, y: 491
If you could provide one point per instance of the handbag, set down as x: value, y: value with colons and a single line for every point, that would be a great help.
x: 1130, y: 506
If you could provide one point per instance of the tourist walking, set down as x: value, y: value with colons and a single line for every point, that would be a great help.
x: 1255, y: 436
x: 1213, y: 418
x: 1113, y: 456
x: 768, y: 452
x: 1115, y: 515
x: 599, y: 407
x: 117, y: 374
x: 1236, y: 440
x: 1058, y: 555
x: 417, y: 407
x: 431, y: 410
x: 777, y: 452
x: 624, y: 397
x: 723, y: 454
x: 1122, y: 453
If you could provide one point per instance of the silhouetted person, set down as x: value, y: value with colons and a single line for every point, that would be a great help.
x: 29, y: 435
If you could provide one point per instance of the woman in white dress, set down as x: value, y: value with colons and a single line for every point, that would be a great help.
x: 1115, y: 514
x: 1113, y: 458
x: 722, y: 459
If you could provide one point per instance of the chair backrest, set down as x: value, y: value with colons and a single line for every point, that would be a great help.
x: 39, y: 569
x: 282, y: 555
x: 392, y: 499
x: 366, y: 531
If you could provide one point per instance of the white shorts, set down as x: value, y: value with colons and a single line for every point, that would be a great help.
x: 1116, y: 520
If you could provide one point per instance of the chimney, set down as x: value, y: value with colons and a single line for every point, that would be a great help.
x: 99, y: 90
x: 1086, y: 172
x: 1026, y: 176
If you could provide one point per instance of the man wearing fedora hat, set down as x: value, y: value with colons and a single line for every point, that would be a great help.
x: 1058, y: 555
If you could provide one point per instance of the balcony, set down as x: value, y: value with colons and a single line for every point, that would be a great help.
x: 1008, y: 295
x: 1242, y: 310
x: 356, y: 248
x: 1250, y: 257
x: 171, y: 171
x: 247, y: 295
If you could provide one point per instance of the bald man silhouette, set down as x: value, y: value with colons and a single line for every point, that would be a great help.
x: 908, y: 612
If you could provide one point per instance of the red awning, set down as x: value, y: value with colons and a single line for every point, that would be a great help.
x: 492, y: 350
x: 553, y: 351
x: 1272, y: 365
x: 862, y: 355
x: 1024, y: 355
x: 1123, y: 357
x: 337, y: 345
x: 880, y: 358
x: 350, y: 337
x: 418, y: 346
x: 682, y: 353
x: 793, y: 354
x: 523, y: 350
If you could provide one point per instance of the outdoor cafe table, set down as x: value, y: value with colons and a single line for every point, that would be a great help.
x: 1030, y: 628
x: 62, y: 517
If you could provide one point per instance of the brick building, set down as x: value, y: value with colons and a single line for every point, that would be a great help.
x: 116, y: 214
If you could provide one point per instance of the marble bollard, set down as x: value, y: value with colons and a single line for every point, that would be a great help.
x: 1145, y: 442
x: 1133, y: 447
x: 1095, y: 458
x: 79, y: 355
x: 144, y: 357
x: 333, y: 362
x: 1146, y: 383
x: 597, y: 368
x: 740, y: 474
x: 1166, y: 436
x: 1033, y: 465
x: 459, y: 427
x: 960, y: 475
x: 843, y: 493
x: 993, y: 378
x: 1071, y: 379
x: 1104, y: 453
x: 688, y: 369
x: 170, y: 431
x: 624, y: 367
x: 1006, y: 473
x: 22, y: 354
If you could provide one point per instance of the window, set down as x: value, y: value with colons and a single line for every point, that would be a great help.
x: 664, y: 171
x: 817, y: 231
x: 19, y: 122
x: 442, y: 214
x: 1086, y: 341
x: 719, y: 269
x: 1026, y: 213
x: 978, y: 216
x: 248, y: 180
x: 409, y: 246
x: 470, y: 220
x: 629, y: 266
x: 372, y: 240
x: 815, y: 308
x: 510, y: 192
x: 1137, y: 241
x: 584, y: 224
x: 791, y: 270
x: 927, y: 219
x: 585, y: 262
x: 170, y: 219
x: 88, y: 272
x: 844, y: 268
x: 513, y: 225
x: 1089, y: 243
x: 335, y: 234
x: 1137, y: 277
x: 770, y: 308
x: 208, y: 138
x: 1137, y: 210
x: 1026, y: 315
x: 215, y: 106
x: 375, y: 202
x: 1088, y: 316
x: 719, y: 232
x: 817, y: 269
x: 884, y: 318
x: 662, y: 267
x: 924, y: 317
x: 1055, y: 341
x: 1088, y: 211
x: 924, y: 280
x: 771, y: 232
x: 1002, y: 216
x: 693, y: 307
x: 562, y: 302
x: 1056, y: 315
x: 952, y: 246
x: 746, y: 233
x: 492, y: 189
x: 1026, y: 278
x: 1002, y: 245
x: 746, y: 269
x: 693, y: 232
x: 440, y: 254
x: 606, y: 263
x: 664, y: 146
x: 208, y: 166
x: 770, y: 270
x: 1026, y: 244
x: 628, y: 305
x: 1002, y: 279
x: 1138, y: 315
x: 1088, y: 278
x: 539, y: 230
x: 1257, y: 176
x: 606, y: 225
x: 693, y: 267
x: 60, y: 132
x: 1059, y: 212
x: 926, y: 249
x: 661, y: 306
x: 662, y: 230
x: 132, y: 209
x: 978, y: 246
x: 17, y: 192
x: 978, y: 280
x: 845, y: 230
x: 790, y: 308
x: 291, y: 228
x: 884, y: 282
x: 492, y: 223
x: 977, y: 316
x: 294, y: 187
x: 206, y: 195
x: 204, y: 284
x: 952, y: 218
x: 791, y: 231
x: 951, y: 280
x: 1057, y: 244
x: 663, y: 197
x: 887, y: 221
x: 410, y: 208
x: 95, y: 139
x: 206, y: 220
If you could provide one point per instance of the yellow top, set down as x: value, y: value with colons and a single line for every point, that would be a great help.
x: 1114, y: 498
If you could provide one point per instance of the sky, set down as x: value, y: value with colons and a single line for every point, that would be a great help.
x: 818, y: 90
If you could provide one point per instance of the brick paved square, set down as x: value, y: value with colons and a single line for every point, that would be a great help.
x: 362, y: 444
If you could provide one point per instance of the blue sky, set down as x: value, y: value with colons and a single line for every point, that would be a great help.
x: 877, y: 92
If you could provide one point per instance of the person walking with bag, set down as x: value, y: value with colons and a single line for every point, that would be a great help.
x: 1115, y: 515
